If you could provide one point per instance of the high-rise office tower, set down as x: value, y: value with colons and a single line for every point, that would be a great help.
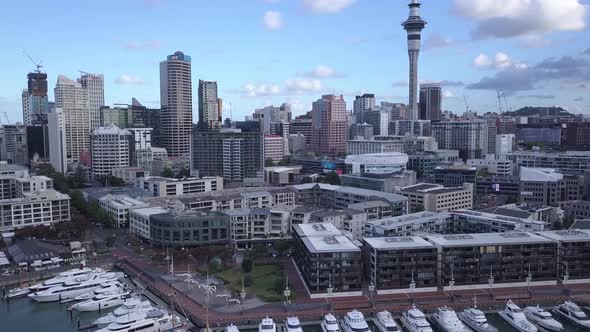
x: 430, y: 101
x: 414, y: 25
x: 94, y: 86
x: 57, y: 140
x: 209, y: 105
x: 110, y: 149
x: 176, y: 98
x: 362, y: 103
x: 72, y: 98
x: 329, y: 125
x: 34, y: 98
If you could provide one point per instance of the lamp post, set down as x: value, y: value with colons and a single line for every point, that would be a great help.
x: 452, y: 282
x: 412, y: 286
x: 491, y: 281
x: 566, y: 277
x: 371, y: 291
x: 243, y: 295
x: 287, y: 293
x: 529, y: 278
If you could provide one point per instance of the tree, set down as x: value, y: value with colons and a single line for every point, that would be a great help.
x: 332, y: 178
x: 285, y: 161
x: 568, y: 221
x: 247, y: 265
x: 77, y: 201
x: 307, y: 179
x: 183, y: 173
x: 282, y: 246
x: 279, y: 285
x: 269, y: 163
x: 167, y: 173
x: 511, y: 199
x: 248, y: 281
x: 418, y: 208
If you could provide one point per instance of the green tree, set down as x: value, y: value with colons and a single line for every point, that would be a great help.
x: 282, y: 246
x: 248, y: 280
x: 568, y: 221
x: 184, y: 172
x: 511, y: 199
x: 247, y: 265
x: 332, y: 178
x: 269, y: 163
x: 418, y: 208
x: 279, y: 285
x: 167, y: 173
x: 285, y: 161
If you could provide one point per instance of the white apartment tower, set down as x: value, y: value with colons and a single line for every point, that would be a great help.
x: 57, y: 140
x: 176, y: 98
x: 94, y: 86
x: 110, y: 149
x: 72, y: 98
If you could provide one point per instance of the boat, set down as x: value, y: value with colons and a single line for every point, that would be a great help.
x: 385, y: 322
x: 267, y: 325
x: 573, y: 314
x: 154, y: 321
x: 514, y: 316
x: 291, y: 324
x: 108, y: 288
x: 100, y: 302
x: 447, y: 321
x: 16, y: 292
x: 70, y: 290
x: 231, y: 328
x: 330, y: 324
x: 130, y: 306
x: 63, y: 277
x: 476, y: 319
x: 415, y: 321
x: 542, y: 318
x: 354, y: 321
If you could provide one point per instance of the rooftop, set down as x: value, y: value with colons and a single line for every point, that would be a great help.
x: 330, y: 243
x: 487, y: 239
x: 317, y: 229
x: 368, y: 205
x: 146, y: 212
x: 431, y: 188
x: 540, y: 174
x: 111, y: 129
x: 419, y: 217
x: 491, y: 216
x: 571, y: 235
x: 122, y: 201
x: 410, y: 242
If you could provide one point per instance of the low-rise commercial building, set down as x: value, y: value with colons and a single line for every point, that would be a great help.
x: 575, y: 162
x: 454, y: 175
x: 139, y: 221
x: 281, y: 175
x: 189, y: 228
x: 542, y: 186
x: 118, y: 207
x: 500, y: 167
x: 436, y: 198
x: 34, y: 208
x: 573, y: 254
x: 129, y: 174
x: 159, y: 186
x: 327, y: 259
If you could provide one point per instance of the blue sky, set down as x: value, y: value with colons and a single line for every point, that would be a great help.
x: 265, y: 52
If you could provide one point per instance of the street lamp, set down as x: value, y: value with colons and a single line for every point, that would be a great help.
x: 452, y: 282
x: 529, y: 278
x: 412, y: 286
x: 243, y: 295
x: 371, y: 291
x: 491, y: 280
x: 566, y: 277
x: 287, y: 291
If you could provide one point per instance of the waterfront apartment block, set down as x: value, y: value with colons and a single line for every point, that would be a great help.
x: 436, y: 198
x: 469, y: 261
x: 159, y: 186
x: 328, y: 261
x: 468, y: 221
x: 34, y: 208
x: 410, y: 224
x: 396, y: 264
x: 573, y: 254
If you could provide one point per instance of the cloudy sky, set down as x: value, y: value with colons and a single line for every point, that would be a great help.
x: 265, y: 52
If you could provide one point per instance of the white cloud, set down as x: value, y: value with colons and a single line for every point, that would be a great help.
x: 512, y: 18
x: 322, y: 71
x: 327, y: 6
x: 129, y: 79
x: 260, y: 89
x: 272, y: 20
x: 501, y: 61
x: 303, y: 85
x: 448, y: 94
x: 436, y: 40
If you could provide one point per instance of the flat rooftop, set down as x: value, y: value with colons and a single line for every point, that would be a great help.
x: 431, y: 188
x: 329, y: 243
x: 419, y: 217
x: 570, y: 235
x: 487, y: 239
x: 393, y: 243
x: 496, y: 217
x: 317, y: 229
x: 146, y: 212
x: 540, y: 174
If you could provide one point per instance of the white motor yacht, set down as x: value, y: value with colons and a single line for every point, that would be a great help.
x: 16, y: 292
x: 330, y: 324
x: 514, y: 316
x: 354, y: 321
x: 62, y: 277
x: 154, y: 321
x: 476, y: 320
x: 446, y: 319
x: 267, y: 325
x: 291, y: 324
x: 71, y: 290
x: 572, y: 312
x: 542, y: 318
x: 415, y: 321
x: 109, y: 288
x: 130, y: 306
x: 100, y: 302
x: 232, y: 328
x: 385, y: 322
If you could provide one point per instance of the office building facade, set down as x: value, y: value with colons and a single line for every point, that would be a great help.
x: 110, y: 150
x: 329, y: 125
x: 209, y: 105
x: 430, y: 101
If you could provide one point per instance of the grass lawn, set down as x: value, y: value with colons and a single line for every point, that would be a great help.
x: 263, y: 281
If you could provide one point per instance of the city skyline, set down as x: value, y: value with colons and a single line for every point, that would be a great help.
x: 538, y: 60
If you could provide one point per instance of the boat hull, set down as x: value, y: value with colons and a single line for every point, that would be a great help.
x: 571, y: 319
x: 531, y: 328
x: 472, y: 325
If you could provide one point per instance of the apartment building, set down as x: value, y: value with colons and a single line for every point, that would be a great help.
x: 139, y: 221
x: 159, y: 186
x: 43, y: 207
x: 436, y: 198
x: 410, y: 224
x: 118, y: 207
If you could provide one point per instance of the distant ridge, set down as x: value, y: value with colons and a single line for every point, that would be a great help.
x: 541, y: 111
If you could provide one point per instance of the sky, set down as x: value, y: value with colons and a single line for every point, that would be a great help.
x: 263, y: 52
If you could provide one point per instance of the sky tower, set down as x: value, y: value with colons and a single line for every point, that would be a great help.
x: 414, y: 25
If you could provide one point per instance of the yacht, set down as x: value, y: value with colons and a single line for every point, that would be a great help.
x: 330, y: 324
x: 130, y: 306
x: 385, y: 322
x: 446, y: 319
x: 154, y: 321
x: 542, y: 318
x: 291, y: 324
x: 16, y: 292
x: 572, y: 312
x: 415, y: 321
x: 232, y: 328
x: 476, y: 320
x: 62, y: 277
x: 267, y: 325
x: 514, y: 316
x: 354, y: 321
x: 100, y: 302
x: 109, y: 288
x: 70, y: 290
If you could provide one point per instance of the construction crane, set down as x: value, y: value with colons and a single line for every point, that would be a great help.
x: 37, y: 64
x: 466, y: 105
x: 499, y: 102
x: 508, y: 108
x: 6, y: 116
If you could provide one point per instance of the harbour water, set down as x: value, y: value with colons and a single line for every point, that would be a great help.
x: 26, y: 315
